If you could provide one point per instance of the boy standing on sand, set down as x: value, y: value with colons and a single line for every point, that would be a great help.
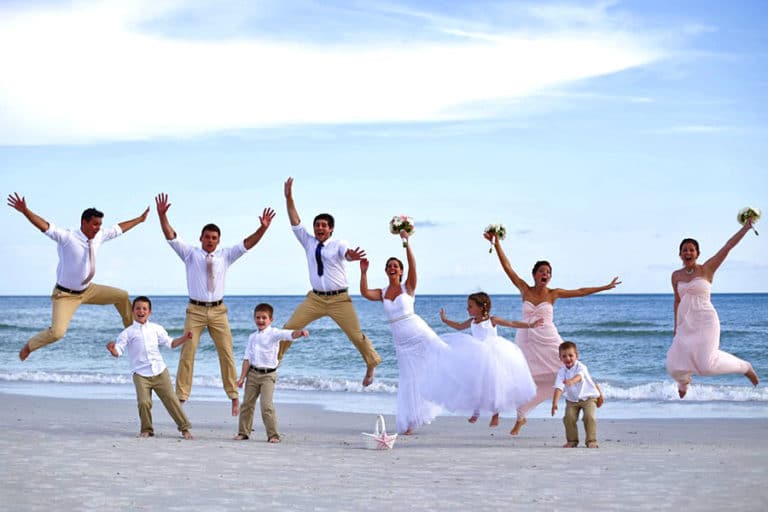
x: 581, y: 394
x: 260, y: 367
x: 142, y: 341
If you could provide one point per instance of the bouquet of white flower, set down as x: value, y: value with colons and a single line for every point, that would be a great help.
x: 402, y: 223
x: 747, y: 213
x: 498, y: 230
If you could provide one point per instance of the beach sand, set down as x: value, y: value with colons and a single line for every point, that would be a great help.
x: 74, y: 454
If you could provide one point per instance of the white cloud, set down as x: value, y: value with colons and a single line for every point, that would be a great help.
x: 87, y: 73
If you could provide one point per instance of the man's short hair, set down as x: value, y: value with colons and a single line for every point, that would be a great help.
x: 90, y: 213
x: 211, y: 227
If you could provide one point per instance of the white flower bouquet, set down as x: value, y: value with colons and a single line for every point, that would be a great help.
x: 402, y: 223
x: 748, y: 213
x: 498, y: 230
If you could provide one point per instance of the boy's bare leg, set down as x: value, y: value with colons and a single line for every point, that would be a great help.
x: 235, y: 406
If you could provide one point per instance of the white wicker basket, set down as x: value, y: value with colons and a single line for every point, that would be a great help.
x: 379, y: 440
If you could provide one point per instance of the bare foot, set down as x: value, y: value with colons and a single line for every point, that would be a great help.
x: 24, y: 352
x: 570, y: 445
x: 145, y: 434
x: 682, y: 392
x: 235, y: 406
x: 240, y: 437
x: 274, y: 440
x: 518, y: 426
x: 751, y: 375
x: 592, y: 444
x: 473, y: 419
x: 408, y: 432
x: 494, y: 421
x: 186, y: 434
x: 368, y: 380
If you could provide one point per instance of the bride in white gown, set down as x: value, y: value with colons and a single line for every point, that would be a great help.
x: 422, y: 357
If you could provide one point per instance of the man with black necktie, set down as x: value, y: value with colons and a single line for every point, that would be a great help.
x: 77, y: 266
x: 206, y: 272
x: 329, y: 296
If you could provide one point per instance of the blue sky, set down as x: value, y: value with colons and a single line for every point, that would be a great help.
x: 599, y: 133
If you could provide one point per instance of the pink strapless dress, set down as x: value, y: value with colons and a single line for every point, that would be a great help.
x: 696, y: 346
x: 540, y: 345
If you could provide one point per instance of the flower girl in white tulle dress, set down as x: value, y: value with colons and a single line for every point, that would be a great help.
x: 497, y: 375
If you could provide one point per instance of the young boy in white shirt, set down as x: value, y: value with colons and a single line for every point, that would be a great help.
x: 142, y: 341
x: 260, y: 368
x: 581, y: 394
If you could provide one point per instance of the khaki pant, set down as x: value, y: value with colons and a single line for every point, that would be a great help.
x: 65, y: 304
x: 160, y: 384
x: 259, y: 384
x: 215, y: 319
x: 589, y: 406
x: 339, y: 308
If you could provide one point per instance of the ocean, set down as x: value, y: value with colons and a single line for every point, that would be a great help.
x: 623, y: 339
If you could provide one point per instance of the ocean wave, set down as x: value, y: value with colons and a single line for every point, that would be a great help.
x: 661, y: 391
x: 667, y: 391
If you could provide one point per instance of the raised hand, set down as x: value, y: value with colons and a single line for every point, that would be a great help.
x: 364, y: 264
x: 266, y: 217
x: 355, y: 254
x: 16, y: 202
x: 288, y: 187
x: 162, y: 204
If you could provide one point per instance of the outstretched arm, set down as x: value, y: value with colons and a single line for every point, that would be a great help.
x: 456, y: 325
x: 555, y: 399
x: 517, y: 324
x: 128, y: 224
x: 560, y: 293
x: 364, y: 290
x: 181, y: 339
x: 162, y: 204
x: 265, y: 219
x: 516, y: 279
x: 410, y: 279
x: 293, y: 215
x: 20, y: 204
x: 713, y: 263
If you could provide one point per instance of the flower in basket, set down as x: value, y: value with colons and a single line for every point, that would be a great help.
x: 402, y: 223
x: 747, y: 213
x: 497, y: 230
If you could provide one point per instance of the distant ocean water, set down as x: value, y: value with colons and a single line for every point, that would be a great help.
x: 622, y: 338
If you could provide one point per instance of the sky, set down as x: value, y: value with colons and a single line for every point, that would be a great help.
x: 600, y: 133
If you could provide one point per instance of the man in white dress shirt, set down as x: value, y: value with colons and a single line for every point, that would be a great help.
x: 329, y: 296
x: 77, y: 266
x: 206, y: 272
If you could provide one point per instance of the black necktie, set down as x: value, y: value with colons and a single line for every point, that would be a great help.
x: 319, y: 259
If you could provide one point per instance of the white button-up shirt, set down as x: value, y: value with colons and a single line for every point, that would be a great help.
x: 333, y: 255
x: 74, y: 255
x: 197, y: 270
x: 583, y: 389
x: 142, y: 342
x: 261, y: 350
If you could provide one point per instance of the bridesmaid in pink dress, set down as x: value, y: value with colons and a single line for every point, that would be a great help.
x: 540, y: 344
x: 696, y: 344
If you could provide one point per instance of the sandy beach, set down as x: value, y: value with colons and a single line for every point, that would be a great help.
x: 83, y: 454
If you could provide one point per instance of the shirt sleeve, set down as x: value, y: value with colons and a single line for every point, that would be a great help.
x: 248, y: 354
x: 163, y: 338
x: 281, y: 334
x: 559, y: 380
x: 121, y: 342
x: 233, y: 253
x: 55, y: 233
x: 341, y: 249
x: 301, y: 234
x: 180, y: 247
x: 111, y: 233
